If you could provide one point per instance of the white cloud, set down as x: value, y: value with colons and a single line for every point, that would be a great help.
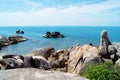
x: 74, y: 15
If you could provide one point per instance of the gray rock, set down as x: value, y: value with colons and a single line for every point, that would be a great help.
x: 15, y: 39
x: 37, y: 74
x: 41, y: 62
x: 45, y: 52
x: 3, y: 41
x: 104, y: 42
x: 117, y: 46
x: 112, y: 50
x: 106, y: 49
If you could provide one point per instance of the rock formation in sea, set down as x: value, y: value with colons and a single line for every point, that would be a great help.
x: 4, y: 41
x: 53, y: 35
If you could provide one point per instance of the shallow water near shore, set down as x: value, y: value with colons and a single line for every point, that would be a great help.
x: 73, y: 35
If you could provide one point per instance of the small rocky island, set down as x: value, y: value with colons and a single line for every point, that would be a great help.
x: 53, y: 35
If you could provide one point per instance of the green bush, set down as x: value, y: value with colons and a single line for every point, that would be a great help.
x: 102, y: 71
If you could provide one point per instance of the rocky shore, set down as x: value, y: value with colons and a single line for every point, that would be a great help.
x: 44, y: 62
x: 4, y: 41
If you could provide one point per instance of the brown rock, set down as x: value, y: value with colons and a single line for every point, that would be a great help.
x: 45, y: 52
x: 80, y: 56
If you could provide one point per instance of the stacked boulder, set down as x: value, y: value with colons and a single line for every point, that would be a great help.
x: 106, y: 49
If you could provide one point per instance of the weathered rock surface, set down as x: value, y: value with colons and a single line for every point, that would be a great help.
x: 117, y: 46
x: 36, y: 74
x: 106, y: 49
x: 18, y: 61
x: 53, y: 35
x: 58, y: 60
x: 45, y: 52
x: 80, y: 56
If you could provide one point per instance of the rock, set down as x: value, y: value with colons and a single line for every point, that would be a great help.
x: 111, y: 49
x: 104, y: 42
x: 117, y: 46
x: 10, y: 40
x: 11, y: 63
x: 37, y: 74
x: 118, y: 63
x: 79, y: 56
x: 3, y: 42
x: 36, y: 62
x: 45, y: 52
x: 41, y: 62
x: 106, y: 49
x: 28, y: 62
x: 15, y: 39
x: 58, y: 60
x: 53, y: 35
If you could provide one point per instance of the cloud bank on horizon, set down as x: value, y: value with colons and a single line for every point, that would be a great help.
x: 59, y: 12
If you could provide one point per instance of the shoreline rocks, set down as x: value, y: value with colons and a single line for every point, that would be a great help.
x: 72, y: 60
x: 11, y: 40
x: 53, y: 35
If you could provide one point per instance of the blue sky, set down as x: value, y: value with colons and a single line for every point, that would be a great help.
x: 59, y: 12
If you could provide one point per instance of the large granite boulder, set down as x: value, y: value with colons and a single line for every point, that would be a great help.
x: 36, y: 62
x: 45, y: 52
x: 106, y: 49
x: 53, y: 35
x: 58, y: 60
x: 80, y: 56
x: 37, y: 74
x: 11, y: 62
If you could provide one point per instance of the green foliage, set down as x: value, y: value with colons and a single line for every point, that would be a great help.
x: 102, y: 71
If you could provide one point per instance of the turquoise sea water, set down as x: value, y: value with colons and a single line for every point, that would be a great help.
x: 73, y: 35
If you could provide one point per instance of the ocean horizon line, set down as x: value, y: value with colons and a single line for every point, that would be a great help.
x: 56, y: 26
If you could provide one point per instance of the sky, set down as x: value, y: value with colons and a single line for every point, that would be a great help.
x: 59, y: 12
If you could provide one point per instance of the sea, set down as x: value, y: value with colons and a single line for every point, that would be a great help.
x: 74, y: 35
